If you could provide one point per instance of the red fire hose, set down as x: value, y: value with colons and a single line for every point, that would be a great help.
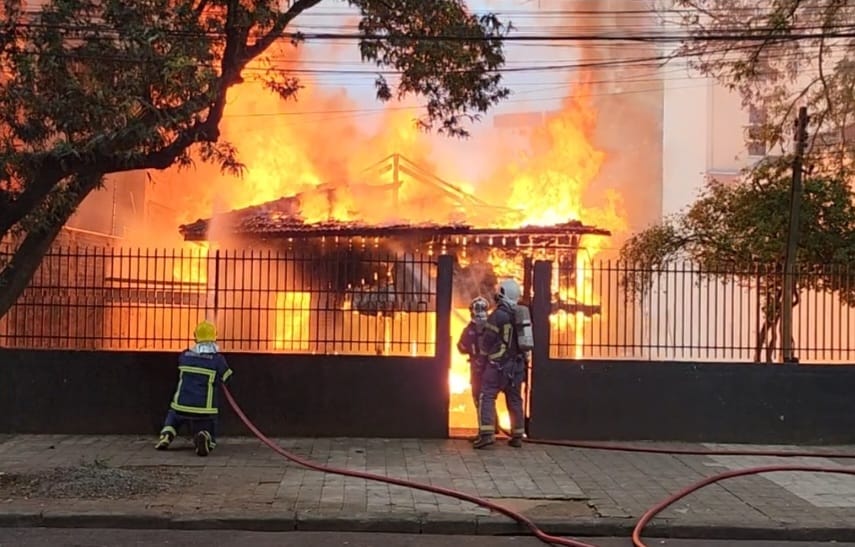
x: 670, y: 500
x: 689, y: 451
x: 525, y: 521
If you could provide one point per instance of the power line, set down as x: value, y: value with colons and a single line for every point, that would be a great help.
x: 653, y: 61
x: 759, y: 34
x: 352, y: 113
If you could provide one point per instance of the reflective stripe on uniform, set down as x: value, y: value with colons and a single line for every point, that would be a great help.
x: 193, y: 409
x: 209, y: 399
x: 227, y: 374
x: 508, y: 331
x: 502, y: 349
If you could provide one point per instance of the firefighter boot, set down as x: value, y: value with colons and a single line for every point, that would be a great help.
x: 483, y: 441
x: 516, y: 442
x: 165, y: 440
x: 203, y: 442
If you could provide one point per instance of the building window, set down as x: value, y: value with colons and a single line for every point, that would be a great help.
x: 756, y: 142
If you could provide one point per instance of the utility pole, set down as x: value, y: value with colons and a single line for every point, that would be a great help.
x: 793, y: 241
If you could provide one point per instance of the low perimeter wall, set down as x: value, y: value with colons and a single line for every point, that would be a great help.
x: 286, y: 395
x: 80, y: 392
x: 709, y: 402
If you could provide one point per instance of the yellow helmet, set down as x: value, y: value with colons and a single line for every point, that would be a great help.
x: 205, y: 332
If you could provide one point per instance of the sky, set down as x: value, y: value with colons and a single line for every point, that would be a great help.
x: 530, y: 91
x: 331, y: 15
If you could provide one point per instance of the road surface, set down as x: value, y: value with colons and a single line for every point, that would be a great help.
x: 55, y: 537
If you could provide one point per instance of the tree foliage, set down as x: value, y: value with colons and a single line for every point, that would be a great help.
x: 741, y: 227
x: 93, y: 87
x: 779, y: 55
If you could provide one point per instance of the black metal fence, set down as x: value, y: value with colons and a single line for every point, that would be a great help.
x: 683, y: 312
x: 365, y: 302
x: 342, y: 302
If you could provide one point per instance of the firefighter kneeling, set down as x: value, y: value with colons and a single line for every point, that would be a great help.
x: 202, y: 369
x: 506, y: 339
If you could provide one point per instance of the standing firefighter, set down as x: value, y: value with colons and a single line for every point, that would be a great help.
x: 202, y: 369
x: 506, y: 339
x: 469, y: 345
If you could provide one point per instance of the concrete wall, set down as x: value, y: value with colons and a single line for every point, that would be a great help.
x: 680, y: 401
x: 626, y: 401
x: 129, y: 392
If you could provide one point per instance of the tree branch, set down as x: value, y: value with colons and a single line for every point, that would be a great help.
x: 27, y: 258
x: 206, y: 130
x: 12, y: 212
x: 53, y: 170
x: 755, y: 56
x: 279, y: 26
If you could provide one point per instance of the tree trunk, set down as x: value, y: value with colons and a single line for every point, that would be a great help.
x: 767, y: 335
x: 761, y: 341
x: 775, y: 320
x: 773, y: 339
x: 12, y: 212
x: 26, y: 258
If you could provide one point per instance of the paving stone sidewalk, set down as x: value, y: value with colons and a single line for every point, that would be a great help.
x: 123, y: 482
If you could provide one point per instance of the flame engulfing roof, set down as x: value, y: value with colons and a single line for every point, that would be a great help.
x: 280, y: 219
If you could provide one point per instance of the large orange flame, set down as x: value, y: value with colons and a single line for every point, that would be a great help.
x: 291, y: 147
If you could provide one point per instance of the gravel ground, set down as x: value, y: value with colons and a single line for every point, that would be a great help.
x: 94, y: 480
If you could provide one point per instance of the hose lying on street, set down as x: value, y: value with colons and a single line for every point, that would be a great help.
x: 615, y: 447
x: 692, y: 488
x: 522, y: 519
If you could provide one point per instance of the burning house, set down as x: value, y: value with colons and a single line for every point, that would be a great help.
x: 361, y: 287
x: 376, y: 264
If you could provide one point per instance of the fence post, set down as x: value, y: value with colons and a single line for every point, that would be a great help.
x: 442, y: 354
x: 540, y: 310
x: 541, y: 306
x: 444, y: 281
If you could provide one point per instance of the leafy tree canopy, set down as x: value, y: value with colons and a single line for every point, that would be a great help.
x: 92, y: 87
x: 741, y: 228
x: 779, y: 55
x: 745, y: 222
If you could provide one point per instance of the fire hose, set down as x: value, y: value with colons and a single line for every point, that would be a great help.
x: 527, y: 522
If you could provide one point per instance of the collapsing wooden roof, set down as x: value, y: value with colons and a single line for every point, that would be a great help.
x: 281, y: 218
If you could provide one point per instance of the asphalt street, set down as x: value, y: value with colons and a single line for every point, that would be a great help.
x: 63, y: 537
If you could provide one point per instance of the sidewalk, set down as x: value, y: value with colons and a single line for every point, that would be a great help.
x: 122, y: 482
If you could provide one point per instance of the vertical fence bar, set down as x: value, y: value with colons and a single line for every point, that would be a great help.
x: 735, y: 311
x: 843, y: 286
x: 173, y: 299
x: 821, y: 345
x: 687, y: 282
x: 217, y: 285
x: 606, y: 304
x: 106, y: 297
x: 642, y: 345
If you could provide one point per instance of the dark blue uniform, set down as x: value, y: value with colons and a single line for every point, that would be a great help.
x: 505, y: 372
x: 196, y: 399
x: 469, y: 346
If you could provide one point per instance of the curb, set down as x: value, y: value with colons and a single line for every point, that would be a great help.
x: 439, y: 524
